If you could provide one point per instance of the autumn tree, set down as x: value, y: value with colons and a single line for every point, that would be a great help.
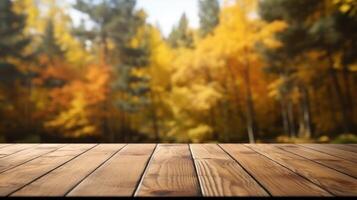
x: 314, y: 29
x: 334, y: 33
x: 281, y: 61
x: 156, y: 113
x: 127, y: 54
x: 223, y: 65
x: 247, y: 32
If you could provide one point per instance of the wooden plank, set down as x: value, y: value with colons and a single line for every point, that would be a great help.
x: 220, y: 175
x: 331, y: 180
x: 11, y: 149
x: 2, y: 145
x: 26, y: 155
x: 119, y: 176
x: 341, y: 165
x: 278, y: 180
x: 343, y: 147
x: 347, y: 155
x: 15, y: 178
x: 71, y: 173
x: 170, y: 172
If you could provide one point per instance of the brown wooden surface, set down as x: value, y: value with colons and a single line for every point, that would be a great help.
x: 220, y: 175
x: 7, y: 150
x: 278, y: 180
x: 170, y: 173
x: 347, y: 155
x: 331, y: 180
x: 339, y: 164
x: 178, y: 170
x: 343, y: 147
x: 120, y: 175
x: 25, y: 155
x: 15, y: 178
x: 70, y: 174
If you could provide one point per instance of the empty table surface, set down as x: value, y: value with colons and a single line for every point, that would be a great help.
x: 178, y: 170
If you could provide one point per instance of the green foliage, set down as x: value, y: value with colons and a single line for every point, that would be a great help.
x: 181, y: 36
x: 209, y: 16
x: 13, y: 80
x: 345, y: 139
x: 12, y: 41
x: 50, y: 45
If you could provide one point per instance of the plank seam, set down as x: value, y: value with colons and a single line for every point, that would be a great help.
x: 32, y: 159
x: 196, y: 171
x: 324, y: 165
x: 50, y: 170
x: 100, y: 165
x: 292, y: 171
x: 328, y: 153
x: 143, y: 173
x: 135, y: 193
x: 254, y: 178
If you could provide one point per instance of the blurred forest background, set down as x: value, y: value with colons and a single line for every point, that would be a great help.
x: 254, y: 71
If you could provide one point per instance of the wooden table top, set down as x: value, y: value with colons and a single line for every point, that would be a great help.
x: 178, y: 170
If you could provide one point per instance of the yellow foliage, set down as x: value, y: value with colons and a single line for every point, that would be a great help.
x: 200, y: 133
x: 78, y: 103
x: 199, y: 75
x: 38, y: 13
x: 74, y: 122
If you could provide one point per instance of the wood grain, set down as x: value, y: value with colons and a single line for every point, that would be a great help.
x: 343, y: 147
x: 278, y: 180
x: 178, y: 170
x: 336, y: 163
x: 17, y: 177
x: 14, y: 148
x: 170, y: 173
x: 347, y: 155
x: 70, y: 173
x: 327, y: 178
x: 119, y: 176
x: 26, y: 155
x: 4, y: 145
x: 220, y: 175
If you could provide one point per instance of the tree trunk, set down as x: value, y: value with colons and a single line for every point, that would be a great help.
x: 251, y: 127
x: 155, y: 124
x: 123, y: 126
x: 211, y: 120
x: 349, y: 98
x: 27, y: 113
x: 334, y: 109
x: 235, y: 91
x: 213, y: 124
x: 305, y: 114
x: 291, y: 119
x: 337, y: 89
x: 284, y: 115
x: 106, y: 106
